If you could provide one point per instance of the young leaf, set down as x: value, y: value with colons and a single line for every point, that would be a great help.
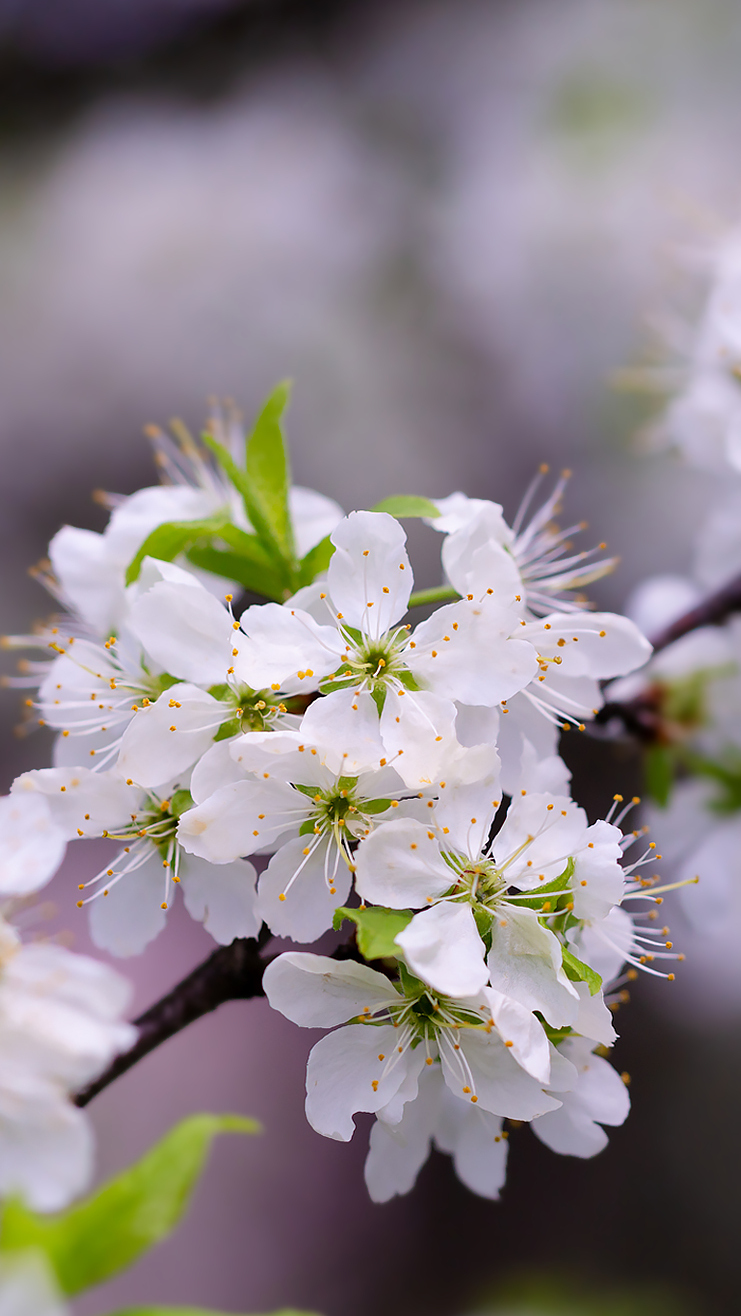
x: 108, y: 1231
x: 406, y: 505
x: 268, y: 470
x: 315, y: 562
x: 377, y: 929
x: 554, y: 888
x: 255, y: 510
x: 577, y: 971
x: 175, y: 537
x: 264, y: 580
x: 659, y: 774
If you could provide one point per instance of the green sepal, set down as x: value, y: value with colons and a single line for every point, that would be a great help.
x: 578, y: 971
x: 659, y: 774
x: 346, y: 783
x: 167, y: 541
x: 554, y: 888
x: 377, y: 929
x: 229, y: 729
x: 375, y: 806
x: 483, y: 918
x: 109, y: 1230
x: 268, y: 469
x: 315, y: 562
x: 407, y: 505
x: 307, y: 827
x: 407, y: 680
x: 311, y: 791
x: 180, y: 802
x: 221, y: 692
x: 378, y: 695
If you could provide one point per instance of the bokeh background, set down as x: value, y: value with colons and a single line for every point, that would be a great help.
x: 458, y: 225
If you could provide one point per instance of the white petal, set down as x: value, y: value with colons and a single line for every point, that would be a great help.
x: 186, y: 630
x: 522, y: 1033
x: 317, y: 992
x: 475, y: 557
x: 537, y: 838
x: 442, y: 946
x: 309, y: 901
x: 215, y: 769
x: 399, y: 865
x: 600, y: 1097
x: 81, y: 801
x: 130, y: 916
x: 594, y: 1020
x: 90, y: 576
x: 418, y: 732
x: 342, y: 1071
x: 313, y: 515
x: 456, y: 511
x: 222, y: 897
x: 276, y: 643
x: 162, y: 741
x: 465, y: 809
x: 496, y: 1079
x: 606, y: 943
x: 345, y: 725
x: 46, y: 1155
x: 474, y: 1139
x: 597, y: 644
x: 525, y: 733
x: 599, y: 880
x: 525, y: 963
x: 398, y: 1152
x: 32, y: 845
x: 239, y: 819
x: 369, y: 575
x: 28, y: 1286
x: 471, y: 652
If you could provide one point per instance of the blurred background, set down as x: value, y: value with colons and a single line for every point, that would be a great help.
x: 453, y: 223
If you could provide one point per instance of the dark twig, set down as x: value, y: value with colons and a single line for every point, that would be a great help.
x: 713, y: 611
x: 232, y: 973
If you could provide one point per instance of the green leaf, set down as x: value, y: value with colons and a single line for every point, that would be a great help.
x: 268, y: 469
x: 255, y: 510
x: 315, y: 562
x: 377, y: 929
x: 558, y: 885
x: 259, y: 579
x: 109, y: 1230
x: 200, y: 1311
x: 436, y: 594
x: 577, y: 971
x: 175, y: 537
x: 659, y: 774
x: 406, y: 505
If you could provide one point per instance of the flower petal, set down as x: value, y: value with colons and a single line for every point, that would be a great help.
x: 525, y: 963
x: 165, y: 738
x: 399, y: 865
x: 369, y: 575
x: 442, y: 946
x: 222, y: 897
x: 32, y: 844
x: 275, y: 643
x: 314, y: 991
x: 309, y: 900
x: 472, y: 652
x: 186, y: 630
x: 346, y: 1074
x: 239, y: 819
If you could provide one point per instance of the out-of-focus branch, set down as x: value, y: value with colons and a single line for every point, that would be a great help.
x: 713, y: 611
x: 232, y: 973
x: 642, y: 716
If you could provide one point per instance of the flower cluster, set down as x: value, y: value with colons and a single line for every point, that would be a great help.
x: 402, y: 777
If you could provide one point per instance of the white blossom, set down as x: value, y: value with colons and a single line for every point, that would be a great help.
x: 59, y: 1028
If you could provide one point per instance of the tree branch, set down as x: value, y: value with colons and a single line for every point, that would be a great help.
x: 713, y: 611
x: 232, y: 973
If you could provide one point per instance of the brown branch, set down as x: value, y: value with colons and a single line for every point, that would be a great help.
x: 713, y: 611
x: 232, y: 973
